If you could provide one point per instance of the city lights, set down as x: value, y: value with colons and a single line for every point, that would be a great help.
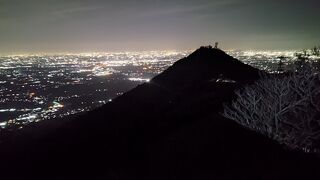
x: 40, y: 87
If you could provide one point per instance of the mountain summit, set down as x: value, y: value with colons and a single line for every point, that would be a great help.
x: 205, y: 64
x: 169, y: 128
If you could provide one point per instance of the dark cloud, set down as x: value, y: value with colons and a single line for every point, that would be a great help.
x: 102, y: 25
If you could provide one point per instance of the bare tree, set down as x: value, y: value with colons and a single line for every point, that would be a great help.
x: 284, y: 108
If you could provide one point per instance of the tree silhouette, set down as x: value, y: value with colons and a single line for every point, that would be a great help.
x: 281, y: 64
x: 283, y: 108
x: 301, y: 61
x: 316, y: 51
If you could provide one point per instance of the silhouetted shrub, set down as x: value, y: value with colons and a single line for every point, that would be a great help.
x: 285, y: 108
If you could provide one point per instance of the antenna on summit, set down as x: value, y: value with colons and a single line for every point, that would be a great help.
x: 216, y: 45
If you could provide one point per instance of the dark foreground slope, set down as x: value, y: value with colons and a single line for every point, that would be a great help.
x: 170, y: 128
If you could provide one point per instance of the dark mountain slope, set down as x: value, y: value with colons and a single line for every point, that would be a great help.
x: 169, y: 128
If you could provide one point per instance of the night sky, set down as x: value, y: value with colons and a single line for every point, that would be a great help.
x: 29, y: 26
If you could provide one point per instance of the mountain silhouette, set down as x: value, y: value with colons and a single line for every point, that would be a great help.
x: 202, y: 65
x: 169, y: 128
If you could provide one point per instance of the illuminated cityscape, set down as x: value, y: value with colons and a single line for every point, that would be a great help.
x: 42, y: 87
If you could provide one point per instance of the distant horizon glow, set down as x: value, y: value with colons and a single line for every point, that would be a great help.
x: 91, y: 54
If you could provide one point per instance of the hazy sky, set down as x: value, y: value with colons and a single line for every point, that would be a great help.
x: 116, y: 25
